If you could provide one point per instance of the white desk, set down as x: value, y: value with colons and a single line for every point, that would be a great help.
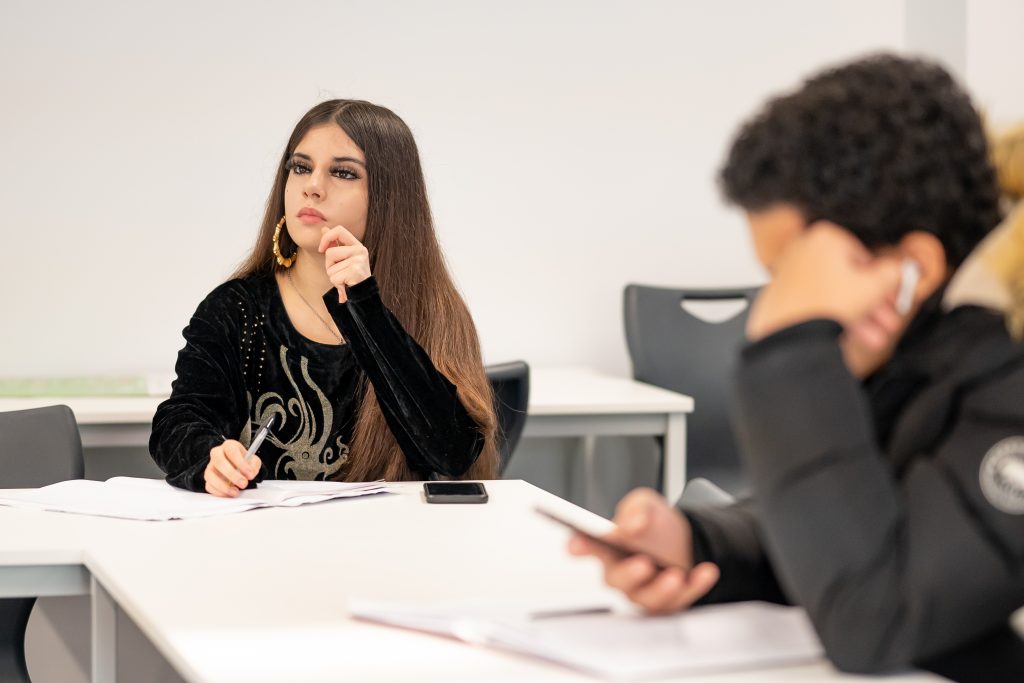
x: 564, y: 402
x: 578, y: 402
x: 260, y: 597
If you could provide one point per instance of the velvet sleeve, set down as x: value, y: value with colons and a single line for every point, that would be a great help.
x: 207, y: 401
x: 421, y: 405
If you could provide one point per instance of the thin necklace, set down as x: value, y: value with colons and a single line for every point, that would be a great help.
x: 288, y: 274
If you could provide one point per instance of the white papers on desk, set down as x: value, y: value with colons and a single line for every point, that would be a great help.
x: 155, y: 500
x: 623, y: 646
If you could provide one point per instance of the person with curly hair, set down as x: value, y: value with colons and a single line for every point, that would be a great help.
x: 883, y: 434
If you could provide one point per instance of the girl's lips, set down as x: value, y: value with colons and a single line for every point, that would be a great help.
x: 310, y: 218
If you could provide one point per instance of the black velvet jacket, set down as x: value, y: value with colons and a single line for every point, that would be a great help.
x: 243, y: 360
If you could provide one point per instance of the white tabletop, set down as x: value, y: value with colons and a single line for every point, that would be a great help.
x: 262, y: 596
x: 553, y: 391
x: 560, y: 391
x: 93, y: 410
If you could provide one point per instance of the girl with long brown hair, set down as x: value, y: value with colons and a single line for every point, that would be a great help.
x: 343, y: 324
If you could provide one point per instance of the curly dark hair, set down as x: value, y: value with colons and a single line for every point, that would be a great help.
x: 882, y: 146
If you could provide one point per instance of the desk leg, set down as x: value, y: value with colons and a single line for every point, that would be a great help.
x: 674, y: 458
x: 590, y: 487
x: 104, y: 635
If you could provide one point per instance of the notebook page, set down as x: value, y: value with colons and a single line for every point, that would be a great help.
x: 702, y: 640
x: 292, y: 493
x: 143, y: 501
x: 624, y: 645
x: 156, y: 500
x: 272, y: 492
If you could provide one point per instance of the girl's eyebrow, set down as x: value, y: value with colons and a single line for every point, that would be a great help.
x: 336, y: 159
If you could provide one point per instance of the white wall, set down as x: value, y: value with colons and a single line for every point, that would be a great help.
x: 570, y: 148
x: 995, y: 58
x: 936, y: 28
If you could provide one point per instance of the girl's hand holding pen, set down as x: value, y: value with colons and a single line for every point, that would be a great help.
x: 229, y: 472
x: 346, y: 259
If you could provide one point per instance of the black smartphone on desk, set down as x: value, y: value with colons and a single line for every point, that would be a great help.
x: 455, y: 492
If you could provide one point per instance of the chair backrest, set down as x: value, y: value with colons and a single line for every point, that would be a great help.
x: 672, y: 348
x: 39, y: 446
x: 511, y: 385
x: 700, y: 492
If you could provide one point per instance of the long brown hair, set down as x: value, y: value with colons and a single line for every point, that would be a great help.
x: 411, y: 273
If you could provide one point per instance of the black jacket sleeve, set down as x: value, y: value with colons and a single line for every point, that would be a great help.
x: 420, y: 404
x: 730, y: 537
x: 892, y: 571
x: 207, y: 402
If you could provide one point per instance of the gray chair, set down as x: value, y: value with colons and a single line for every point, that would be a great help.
x: 672, y: 348
x: 701, y: 492
x: 511, y: 385
x: 37, y: 447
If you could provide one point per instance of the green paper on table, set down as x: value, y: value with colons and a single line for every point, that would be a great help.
x: 100, y: 385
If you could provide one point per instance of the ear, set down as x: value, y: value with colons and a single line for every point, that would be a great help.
x: 929, y: 254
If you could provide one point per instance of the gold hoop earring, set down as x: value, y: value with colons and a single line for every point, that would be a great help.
x: 282, y: 260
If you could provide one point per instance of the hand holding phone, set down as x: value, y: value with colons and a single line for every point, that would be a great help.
x: 621, y: 549
x: 648, y: 555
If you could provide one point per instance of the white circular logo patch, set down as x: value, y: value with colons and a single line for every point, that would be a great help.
x: 1002, y: 475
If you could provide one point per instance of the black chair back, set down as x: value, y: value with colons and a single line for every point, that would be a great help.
x: 672, y: 348
x: 511, y: 385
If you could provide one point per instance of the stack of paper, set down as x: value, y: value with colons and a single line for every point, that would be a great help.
x: 152, y: 499
x: 622, y: 646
